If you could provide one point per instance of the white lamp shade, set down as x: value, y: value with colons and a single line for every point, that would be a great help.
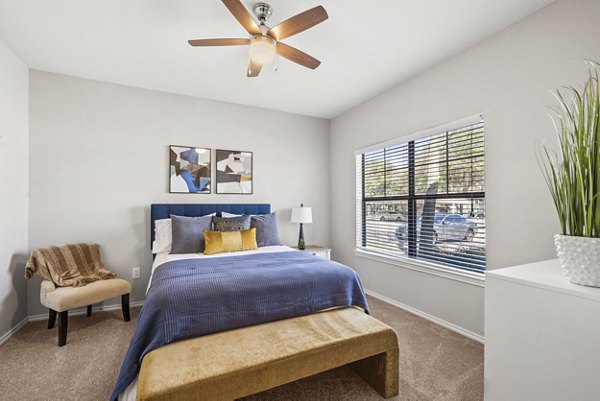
x: 302, y: 215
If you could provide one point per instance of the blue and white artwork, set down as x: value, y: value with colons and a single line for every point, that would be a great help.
x: 189, y: 170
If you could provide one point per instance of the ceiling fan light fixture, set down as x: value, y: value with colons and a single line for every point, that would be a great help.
x: 262, y: 49
x: 264, y: 42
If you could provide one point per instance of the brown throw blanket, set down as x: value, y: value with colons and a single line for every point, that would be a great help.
x: 71, y: 265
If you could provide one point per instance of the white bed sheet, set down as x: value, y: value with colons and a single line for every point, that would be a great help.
x: 131, y: 391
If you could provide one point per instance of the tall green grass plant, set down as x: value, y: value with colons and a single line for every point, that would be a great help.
x: 572, y: 171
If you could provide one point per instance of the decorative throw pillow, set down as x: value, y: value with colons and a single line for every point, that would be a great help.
x: 163, y: 237
x: 231, y: 223
x: 267, y: 231
x: 188, y: 233
x: 229, y: 241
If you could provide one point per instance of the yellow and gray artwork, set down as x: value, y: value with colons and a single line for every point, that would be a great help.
x: 234, y: 172
x: 189, y: 170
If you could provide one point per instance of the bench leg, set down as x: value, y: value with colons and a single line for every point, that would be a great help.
x: 51, y: 318
x: 380, y: 372
x: 89, y: 310
x: 62, y: 328
x: 125, y: 307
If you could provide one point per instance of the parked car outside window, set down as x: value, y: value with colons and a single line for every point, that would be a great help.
x: 387, y: 215
x: 446, y: 227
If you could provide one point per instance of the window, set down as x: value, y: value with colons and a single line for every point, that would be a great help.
x: 424, y: 199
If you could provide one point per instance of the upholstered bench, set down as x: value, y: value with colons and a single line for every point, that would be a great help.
x: 233, y: 364
x: 62, y: 299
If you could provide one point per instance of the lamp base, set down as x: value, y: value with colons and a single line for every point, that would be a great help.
x: 301, y: 245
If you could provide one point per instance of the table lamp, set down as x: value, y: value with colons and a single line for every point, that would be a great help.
x: 302, y: 215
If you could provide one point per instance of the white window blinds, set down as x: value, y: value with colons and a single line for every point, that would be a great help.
x: 424, y: 199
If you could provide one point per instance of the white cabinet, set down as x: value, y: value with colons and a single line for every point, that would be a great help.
x: 542, y: 335
x: 318, y: 251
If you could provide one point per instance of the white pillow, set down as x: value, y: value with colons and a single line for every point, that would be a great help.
x: 163, y: 235
x: 225, y: 214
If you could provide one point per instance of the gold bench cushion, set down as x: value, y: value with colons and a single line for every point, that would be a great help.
x: 236, y: 363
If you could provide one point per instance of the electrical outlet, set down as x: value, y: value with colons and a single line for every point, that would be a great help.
x: 135, y: 272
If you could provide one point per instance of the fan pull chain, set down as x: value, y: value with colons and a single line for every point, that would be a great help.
x: 276, y: 64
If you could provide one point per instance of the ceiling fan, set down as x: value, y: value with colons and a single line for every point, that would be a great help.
x: 264, y: 42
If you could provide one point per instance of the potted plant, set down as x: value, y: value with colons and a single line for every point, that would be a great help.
x: 573, y: 176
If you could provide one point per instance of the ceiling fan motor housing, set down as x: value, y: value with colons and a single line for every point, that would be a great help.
x: 262, y: 11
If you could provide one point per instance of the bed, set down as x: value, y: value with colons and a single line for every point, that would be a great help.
x: 192, y: 295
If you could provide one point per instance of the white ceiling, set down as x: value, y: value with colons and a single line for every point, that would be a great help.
x: 366, y: 46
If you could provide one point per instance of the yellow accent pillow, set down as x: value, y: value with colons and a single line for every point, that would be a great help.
x: 229, y: 241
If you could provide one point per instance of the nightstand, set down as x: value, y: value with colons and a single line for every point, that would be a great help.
x: 318, y: 251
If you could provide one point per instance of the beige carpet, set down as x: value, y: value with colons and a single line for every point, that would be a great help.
x: 435, y: 363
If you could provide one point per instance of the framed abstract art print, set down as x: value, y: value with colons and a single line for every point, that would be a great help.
x: 234, y: 172
x: 189, y: 170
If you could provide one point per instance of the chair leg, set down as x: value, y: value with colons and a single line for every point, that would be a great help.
x: 51, y: 318
x: 62, y: 328
x: 89, y: 310
x: 125, y: 307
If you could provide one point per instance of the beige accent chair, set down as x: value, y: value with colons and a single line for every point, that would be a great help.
x: 62, y: 299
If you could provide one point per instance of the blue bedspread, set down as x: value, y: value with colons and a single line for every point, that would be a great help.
x: 194, y: 297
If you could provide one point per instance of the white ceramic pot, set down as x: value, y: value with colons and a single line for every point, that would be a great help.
x: 579, y: 258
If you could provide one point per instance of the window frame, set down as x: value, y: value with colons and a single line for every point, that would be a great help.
x: 410, y: 261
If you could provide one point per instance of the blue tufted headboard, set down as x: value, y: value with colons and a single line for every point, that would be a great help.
x: 165, y: 210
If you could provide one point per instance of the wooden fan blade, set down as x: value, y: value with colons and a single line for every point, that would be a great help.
x: 253, y: 69
x: 298, y: 23
x: 218, y: 42
x: 297, y: 56
x: 240, y: 13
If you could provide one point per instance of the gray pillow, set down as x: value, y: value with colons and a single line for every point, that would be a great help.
x: 188, y: 233
x: 231, y: 223
x: 267, y: 231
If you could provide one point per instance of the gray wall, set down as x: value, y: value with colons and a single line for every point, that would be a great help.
x: 14, y: 188
x: 508, y: 77
x: 99, y: 158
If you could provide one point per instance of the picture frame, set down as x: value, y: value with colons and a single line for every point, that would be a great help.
x: 189, y: 170
x: 234, y: 172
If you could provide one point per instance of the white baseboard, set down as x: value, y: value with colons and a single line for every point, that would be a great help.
x: 441, y: 322
x: 383, y: 298
x: 73, y: 312
x: 12, y: 331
